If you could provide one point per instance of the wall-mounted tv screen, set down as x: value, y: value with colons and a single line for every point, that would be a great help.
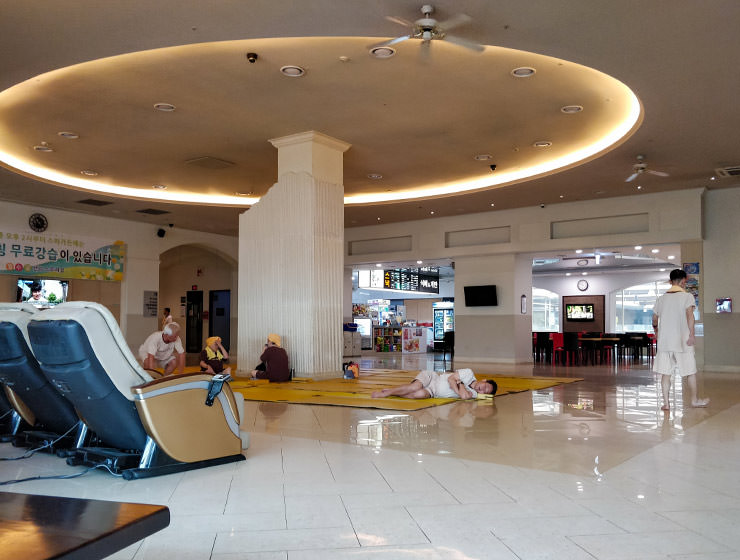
x: 42, y: 292
x: 579, y: 311
x: 480, y: 296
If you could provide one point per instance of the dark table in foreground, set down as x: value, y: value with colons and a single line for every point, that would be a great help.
x: 36, y: 527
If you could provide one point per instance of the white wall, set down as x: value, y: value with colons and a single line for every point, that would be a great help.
x: 141, y: 272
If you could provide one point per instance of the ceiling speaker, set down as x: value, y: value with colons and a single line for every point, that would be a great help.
x: 160, y: 232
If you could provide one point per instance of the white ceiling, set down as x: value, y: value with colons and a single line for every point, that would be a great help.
x: 675, y: 55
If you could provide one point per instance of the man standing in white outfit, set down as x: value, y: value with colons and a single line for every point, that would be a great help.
x: 673, y: 322
x: 164, y: 349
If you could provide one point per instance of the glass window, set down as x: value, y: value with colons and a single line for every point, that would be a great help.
x: 545, y: 311
x: 634, y: 306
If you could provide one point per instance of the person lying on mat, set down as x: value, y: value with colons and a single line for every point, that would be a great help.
x: 214, y: 356
x: 273, y: 361
x: 164, y: 349
x: 460, y: 384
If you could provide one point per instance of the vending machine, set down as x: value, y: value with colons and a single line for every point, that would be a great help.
x: 444, y: 321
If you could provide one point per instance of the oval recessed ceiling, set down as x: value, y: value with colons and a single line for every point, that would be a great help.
x: 378, y: 108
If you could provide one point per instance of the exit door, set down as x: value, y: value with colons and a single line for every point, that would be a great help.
x: 219, y: 315
x: 194, y: 322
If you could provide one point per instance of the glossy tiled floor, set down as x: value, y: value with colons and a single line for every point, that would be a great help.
x: 587, y: 470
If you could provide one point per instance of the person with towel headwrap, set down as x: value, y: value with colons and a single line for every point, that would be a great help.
x: 274, y: 361
x: 214, y: 356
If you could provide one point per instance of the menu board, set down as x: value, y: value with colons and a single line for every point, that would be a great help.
x: 424, y: 279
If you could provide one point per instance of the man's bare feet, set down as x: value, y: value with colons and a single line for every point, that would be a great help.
x: 665, y: 407
x: 380, y: 394
x: 700, y: 403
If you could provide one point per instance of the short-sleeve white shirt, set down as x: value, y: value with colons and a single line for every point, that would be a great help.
x: 438, y: 385
x: 673, y: 328
x: 158, y: 348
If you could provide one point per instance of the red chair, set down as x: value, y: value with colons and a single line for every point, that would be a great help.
x: 568, y: 353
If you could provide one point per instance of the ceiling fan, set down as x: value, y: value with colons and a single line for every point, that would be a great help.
x: 428, y: 29
x: 641, y: 167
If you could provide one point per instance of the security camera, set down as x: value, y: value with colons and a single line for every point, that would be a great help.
x: 493, y: 167
x: 252, y: 57
x: 542, y: 205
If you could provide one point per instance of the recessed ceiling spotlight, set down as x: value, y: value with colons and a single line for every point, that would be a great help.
x: 419, y: 262
x: 68, y: 135
x: 374, y: 176
x: 378, y: 218
x: 661, y: 269
x: 378, y: 265
x: 382, y: 52
x: 579, y: 251
x: 584, y: 273
x: 567, y: 273
x: 493, y: 204
x: 542, y: 144
x: 671, y: 257
x: 638, y: 247
x: 482, y: 157
x: 523, y: 72
x: 562, y: 196
x: 292, y: 71
x: 655, y: 251
x: 570, y: 109
x: 89, y: 173
x: 639, y: 187
x: 344, y: 58
x: 713, y: 178
x: 160, y: 187
x: 43, y: 147
x: 432, y: 212
x: 165, y: 107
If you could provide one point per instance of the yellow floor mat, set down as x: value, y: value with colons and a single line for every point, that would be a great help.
x: 356, y: 392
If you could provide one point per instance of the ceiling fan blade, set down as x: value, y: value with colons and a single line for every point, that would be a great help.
x: 399, y: 21
x: 631, y: 177
x: 454, y: 21
x: 425, y: 49
x: 390, y: 42
x: 468, y: 44
x: 659, y: 173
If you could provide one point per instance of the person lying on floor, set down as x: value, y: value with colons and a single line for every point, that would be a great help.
x: 460, y: 384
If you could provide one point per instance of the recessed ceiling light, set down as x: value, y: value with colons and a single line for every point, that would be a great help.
x: 567, y: 273
x: 378, y: 218
x: 523, y: 72
x: 292, y: 71
x: 482, y: 157
x: 639, y: 187
x: 159, y: 187
x: 570, y: 109
x: 655, y: 251
x: 493, y: 204
x: 638, y: 247
x: 562, y: 196
x: 662, y: 269
x: 374, y: 176
x: 713, y: 178
x: 419, y: 262
x: 165, y: 107
x: 243, y: 193
x: 579, y: 251
x: 584, y: 273
x: 542, y: 144
x: 378, y: 265
x: 69, y: 135
x: 671, y: 257
x: 89, y: 173
x: 43, y: 147
x: 432, y: 212
x: 382, y: 52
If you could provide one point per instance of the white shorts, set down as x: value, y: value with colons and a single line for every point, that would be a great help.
x: 437, y: 385
x: 678, y: 363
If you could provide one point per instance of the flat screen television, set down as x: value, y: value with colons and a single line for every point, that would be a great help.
x: 579, y: 311
x: 480, y: 296
x: 42, y: 292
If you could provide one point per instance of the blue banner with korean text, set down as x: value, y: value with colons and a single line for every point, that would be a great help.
x: 61, y: 256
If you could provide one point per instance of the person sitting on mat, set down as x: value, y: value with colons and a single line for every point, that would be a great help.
x: 460, y: 384
x: 273, y: 361
x: 214, y: 356
x: 164, y: 349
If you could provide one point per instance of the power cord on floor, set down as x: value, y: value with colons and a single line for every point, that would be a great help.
x: 30, y: 452
x: 60, y: 476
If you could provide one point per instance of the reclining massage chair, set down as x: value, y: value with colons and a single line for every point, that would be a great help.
x: 39, y: 415
x: 145, y: 426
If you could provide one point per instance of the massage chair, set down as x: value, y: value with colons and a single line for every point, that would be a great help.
x: 144, y: 426
x: 40, y: 416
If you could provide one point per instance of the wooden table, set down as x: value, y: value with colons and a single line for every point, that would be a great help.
x: 36, y: 527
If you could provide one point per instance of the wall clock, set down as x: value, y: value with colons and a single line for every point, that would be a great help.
x: 582, y: 285
x: 38, y: 222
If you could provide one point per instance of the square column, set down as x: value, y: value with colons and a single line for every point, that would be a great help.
x: 291, y: 259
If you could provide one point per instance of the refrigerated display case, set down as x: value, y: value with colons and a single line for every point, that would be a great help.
x: 444, y: 321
